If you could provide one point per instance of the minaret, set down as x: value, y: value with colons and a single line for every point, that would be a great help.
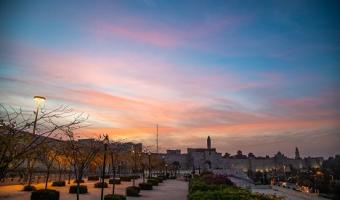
x: 209, y: 143
x: 297, y: 153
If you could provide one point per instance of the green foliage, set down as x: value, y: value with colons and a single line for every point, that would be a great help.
x: 82, y: 189
x: 132, y: 191
x: 153, y: 181
x: 58, y: 183
x: 114, y: 197
x: 201, y: 188
x: 29, y: 188
x: 45, y: 195
x: 100, y: 185
x: 145, y: 186
x: 116, y: 181
x: 93, y: 178
x: 172, y: 177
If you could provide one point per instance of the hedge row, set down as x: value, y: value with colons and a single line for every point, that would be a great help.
x: 58, y: 183
x: 116, y: 181
x: 145, y: 186
x: 93, y: 178
x: 100, y: 185
x: 82, y: 189
x: 29, y: 188
x: 221, y: 188
x: 132, y: 191
x: 45, y: 195
x: 114, y: 197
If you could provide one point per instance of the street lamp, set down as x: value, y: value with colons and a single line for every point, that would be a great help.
x: 39, y: 101
x: 166, y: 170
x: 134, y: 167
x: 149, y: 156
x: 106, y: 142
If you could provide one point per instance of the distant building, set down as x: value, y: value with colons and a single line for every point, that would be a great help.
x: 209, y: 158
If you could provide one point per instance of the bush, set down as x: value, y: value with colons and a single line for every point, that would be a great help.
x: 145, y: 186
x: 114, y: 197
x: 159, y: 179
x: 172, y: 177
x: 204, y: 189
x: 80, y: 181
x: 135, y: 177
x: 116, y: 181
x: 126, y: 178
x: 153, y: 181
x: 29, y: 188
x: 93, y: 178
x: 58, y: 183
x: 82, y: 189
x: 132, y: 191
x: 100, y: 185
x: 45, y: 195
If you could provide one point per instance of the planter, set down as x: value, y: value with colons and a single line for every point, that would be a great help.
x: 145, y: 186
x: 82, y: 189
x: 45, y: 195
x: 58, y: 183
x: 132, y: 191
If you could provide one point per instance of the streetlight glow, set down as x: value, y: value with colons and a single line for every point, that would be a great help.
x: 39, y: 100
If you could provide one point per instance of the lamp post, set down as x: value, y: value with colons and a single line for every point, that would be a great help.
x: 166, y: 170
x: 134, y: 166
x: 38, y: 100
x: 149, y: 156
x: 106, y: 142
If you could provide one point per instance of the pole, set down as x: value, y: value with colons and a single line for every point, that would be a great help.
x: 134, y: 169
x: 103, y: 172
x: 114, y: 174
x: 157, y: 138
x: 35, y: 120
x: 149, y: 165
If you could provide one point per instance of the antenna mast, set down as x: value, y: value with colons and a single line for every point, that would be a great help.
x: 157, y: 138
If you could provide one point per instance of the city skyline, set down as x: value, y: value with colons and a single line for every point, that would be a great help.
x: 259, y: 78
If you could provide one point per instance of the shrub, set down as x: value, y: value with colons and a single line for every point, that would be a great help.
x: 80, y: 181
x: 82, y: 189
x: 126, y: 178
x: 145, y: 186
x: 100, y: 185
x: 202, y: 189
x: 29, y: 188
x: 93, y: 178
x: 116, y: 181
x: 58, y: 183
x: 172, y: 177
x: 45, y: 195
x: 132, y: 191
x: 153, y: 181
x: 114, y: 197
x: 159, y: 179
x: 135, y: 177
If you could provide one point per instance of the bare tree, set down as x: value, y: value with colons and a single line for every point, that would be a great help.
x: 17, y: 140
x: 47, y: 155
x: 80, y: 155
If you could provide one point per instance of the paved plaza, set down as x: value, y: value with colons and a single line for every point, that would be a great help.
x: 168, y: 190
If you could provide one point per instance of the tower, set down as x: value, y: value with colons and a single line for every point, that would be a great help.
x: 209, y: 143
x: 297, y: 153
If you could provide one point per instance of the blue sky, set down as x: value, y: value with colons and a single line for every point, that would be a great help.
x: 235, y: 71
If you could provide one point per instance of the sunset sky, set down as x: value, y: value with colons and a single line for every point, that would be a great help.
x: 257, y: 77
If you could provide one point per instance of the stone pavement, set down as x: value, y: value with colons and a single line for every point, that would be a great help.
x: 168, y: 190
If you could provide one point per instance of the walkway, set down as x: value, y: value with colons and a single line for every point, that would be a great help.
x: 168, y: 190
